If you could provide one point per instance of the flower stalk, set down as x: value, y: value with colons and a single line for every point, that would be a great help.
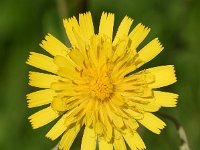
x: 184, y: 145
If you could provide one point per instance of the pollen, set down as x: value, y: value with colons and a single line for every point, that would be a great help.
x: 101, y: 87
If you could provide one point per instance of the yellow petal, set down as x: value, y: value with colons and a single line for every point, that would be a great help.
x: 104, y: 145
x: 164, y: 75
x: 42, y: 62
x: 67, y: 87
x: 76, y: 57
x: 54, y: 46
x: 42, y: 80
x: 57, y: 129
x: 88, y: 140
x: 117, y: 121
x: 76, y: 114
x: 69, y: 73
x: 123, y: 29
x: 74, y: 33
x: 68, y: 138
x: 100, y: 50
x: 136, y: 114
x: 150, y: 107
x: 136, y: 91
x: 118, y: 100
x: 107, y: 122
x: 107, y: 50
x: 94, y: 50
x: 43, y: 117
x: 152, y: 123
x: 131, y: 124
x: 62, y: 61
x: 151, y: 50
x: 71, y: 25
x: 165, y: 99
x: 141, y: 77
x: 99, y: 128
x: 86, y: 25
x: 40, y: 98
x: 70, y: 92
x: 106, y: 24
x: 134, y: 141
x: 66, y: 68
x: 138, y: 35
x: 119, y: 143
x: 62, y: 85
x: 79, y: 35
x: 120, y: 48
x: 160, y: 99
x: 58, y: 104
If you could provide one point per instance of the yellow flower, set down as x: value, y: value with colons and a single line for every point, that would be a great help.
x: 94, y: 85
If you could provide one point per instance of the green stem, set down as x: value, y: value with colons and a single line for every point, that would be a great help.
x: 184, y: 145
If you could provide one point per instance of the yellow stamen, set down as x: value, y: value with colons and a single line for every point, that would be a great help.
x: 101, y: 87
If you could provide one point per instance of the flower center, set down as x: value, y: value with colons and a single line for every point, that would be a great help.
x: 101, y: 87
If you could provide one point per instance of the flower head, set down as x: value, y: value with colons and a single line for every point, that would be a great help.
x: 94, y: 84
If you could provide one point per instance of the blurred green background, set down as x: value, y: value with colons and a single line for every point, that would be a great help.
x: 23, y: 24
